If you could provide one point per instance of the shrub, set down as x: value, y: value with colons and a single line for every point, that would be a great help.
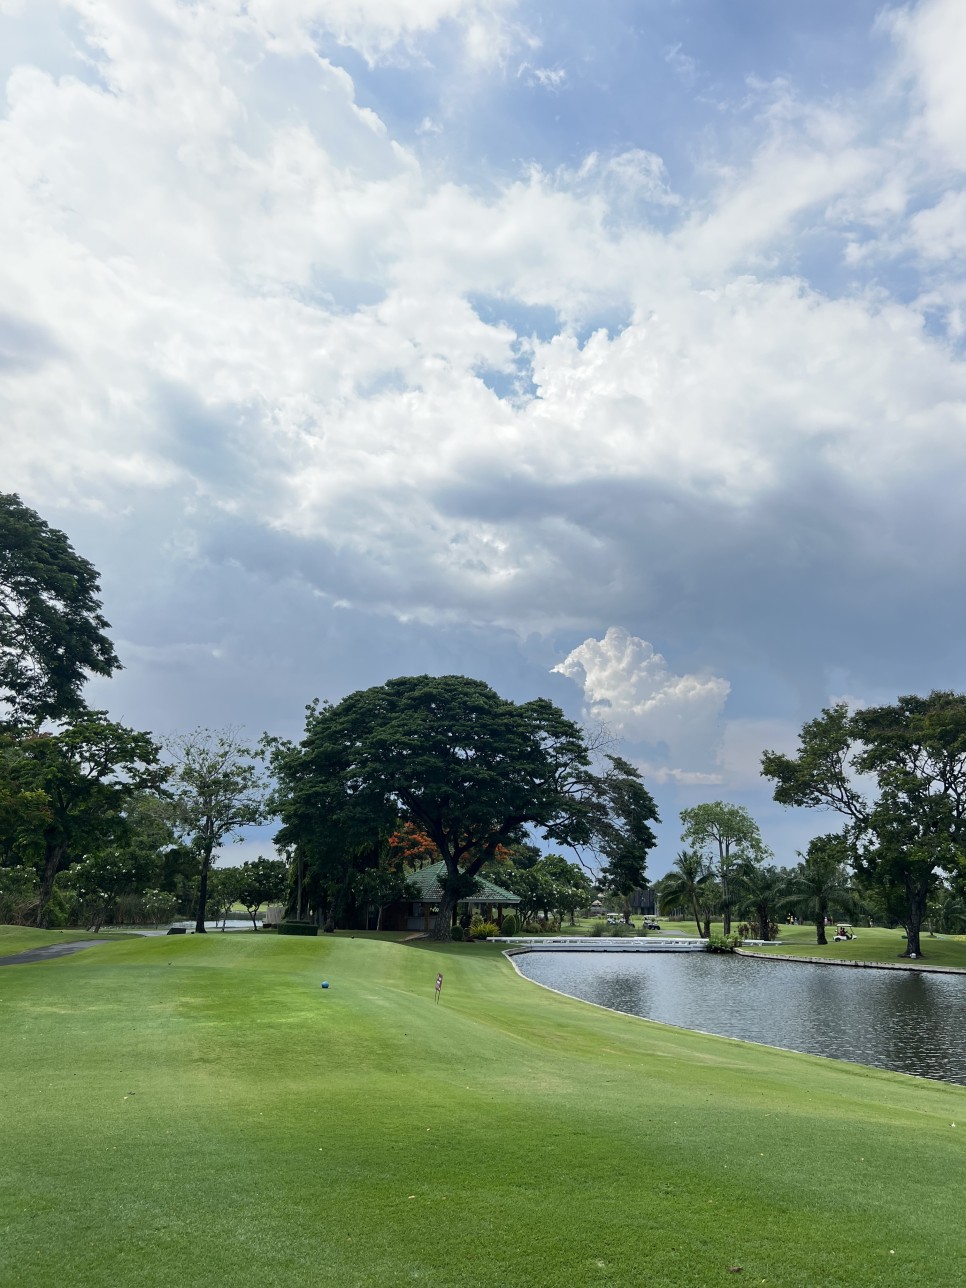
x: 297, y: 928
x: 18, y: 896
x: 511, y: 926
x: 457, y: 934
x: 597, y: 929
x: 483, y: 929
x: 723, y: 943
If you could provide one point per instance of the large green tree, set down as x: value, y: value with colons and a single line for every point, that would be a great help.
x: 898, y: 775
x: 126, y: 868
x: 217, y: 788
x: 729, y: 839
x: 51, y: 629
x: 468, y: 768
x: 80, y: 782
x: 552, y: 885
x: 261, y: 881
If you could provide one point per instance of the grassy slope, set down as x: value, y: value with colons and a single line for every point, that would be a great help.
x: 198, y: 1111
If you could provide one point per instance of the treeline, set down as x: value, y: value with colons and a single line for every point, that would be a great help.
x: 100, y: 822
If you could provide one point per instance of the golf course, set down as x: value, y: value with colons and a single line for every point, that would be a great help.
x: 198, y: 1110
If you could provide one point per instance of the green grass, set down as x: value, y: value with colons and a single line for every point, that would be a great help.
x: 871, y: 944
x: 18, y: 939
x: 198, y: 1111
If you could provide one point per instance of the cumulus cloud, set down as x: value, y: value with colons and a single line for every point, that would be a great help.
x: 931, y: 39
x: 630, y: 688
x: 242, y: 297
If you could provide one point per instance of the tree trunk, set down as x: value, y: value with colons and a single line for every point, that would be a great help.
x: 202, y: 895
x: 913, y: 928
x: 706, y: 933
x: 55, y: 858
x: 820, y: 929
x: 697, y: 918
x: 442, y: 926
x: 382, y: 909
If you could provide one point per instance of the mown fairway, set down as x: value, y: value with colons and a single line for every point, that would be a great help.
x: 871, y: 944
x: 192, y: 1111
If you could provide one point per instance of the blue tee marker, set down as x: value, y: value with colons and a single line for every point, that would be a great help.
x: 325, y: 983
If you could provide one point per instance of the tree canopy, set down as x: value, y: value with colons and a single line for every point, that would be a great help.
x: 51, y: 628
x: 898, y: 775
x: 729, y: 839
x: 216, y: 788
x: 72, y: 791
x: 469, y: 769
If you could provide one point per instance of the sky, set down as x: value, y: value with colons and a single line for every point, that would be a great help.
x: 609, y: 353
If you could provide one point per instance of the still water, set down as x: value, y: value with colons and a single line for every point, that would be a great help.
x: 890, y: 1019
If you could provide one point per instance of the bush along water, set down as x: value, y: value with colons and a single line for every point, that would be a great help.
x: 723, y: 943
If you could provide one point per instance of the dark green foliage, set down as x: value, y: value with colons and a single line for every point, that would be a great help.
x: 690, y: 885
x: 820, y: 885
x: 297, y: 928
x: 19, y: 890
x: 51, y: 628
x: 729, y: 840
x: 723, y: 943
x: 511, y: 925
x: 261, y: 881
x: 456, y: 933
x: 623, y: 811
x: 88, y: 776
x: 551, y: 886
x: 910, y: 828
x: 466, y: 767
x: 760, y: 892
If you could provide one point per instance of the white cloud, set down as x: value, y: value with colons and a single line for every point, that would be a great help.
x: 552, y: 78
x: 215, y: 222
x: 931, y: 38
x: 631, y: 689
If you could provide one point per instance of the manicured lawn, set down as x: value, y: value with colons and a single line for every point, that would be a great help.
x: 871, y: 944
x: 198, y: 1111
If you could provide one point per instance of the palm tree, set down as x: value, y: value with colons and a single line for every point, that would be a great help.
x: 820, y: 883
x: 688, y: 883
x: 759, y: 892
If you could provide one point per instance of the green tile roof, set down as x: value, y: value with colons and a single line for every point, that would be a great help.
x: 427, y: 880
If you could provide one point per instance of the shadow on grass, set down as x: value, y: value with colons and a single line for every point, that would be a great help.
x: 454, y: 947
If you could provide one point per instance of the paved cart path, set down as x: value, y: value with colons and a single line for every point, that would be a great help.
x: 51, y: 950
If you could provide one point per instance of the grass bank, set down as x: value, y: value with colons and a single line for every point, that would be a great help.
x: 198, y: 1111
x: 871, y: 944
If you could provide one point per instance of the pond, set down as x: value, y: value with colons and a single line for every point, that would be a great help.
x: 900, y: 1020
